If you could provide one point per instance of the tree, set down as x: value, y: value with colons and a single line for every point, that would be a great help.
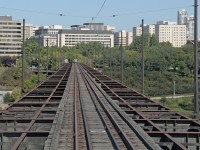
x: 154, y: 41
x: 16, y: 93
x: 8, y: 98
x: 163, y: 100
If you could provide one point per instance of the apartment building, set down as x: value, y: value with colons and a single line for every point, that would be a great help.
x: 171, y: 32
x: 10, y: 36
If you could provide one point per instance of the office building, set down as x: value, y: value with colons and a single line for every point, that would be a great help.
x: 10, y: 36
x: 88, y: 32
x: 69, y: 37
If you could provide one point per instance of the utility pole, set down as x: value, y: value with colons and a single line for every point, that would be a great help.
x: 39, y: 60
x: 196, y: 99
x: 23, y: 49
x: 110, y: 60
x: 47, y: 67
x: 60, y: 61
x: 142, y: 61
x: 103, y: 58
x: 174, y: 89
x: 122, y: 65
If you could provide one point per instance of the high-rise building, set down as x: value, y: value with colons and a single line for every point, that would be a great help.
x: 10, y: 36
x: 190, y: 28
x: 185, y: 19
x: 182, y: 17
x: 171, y: 32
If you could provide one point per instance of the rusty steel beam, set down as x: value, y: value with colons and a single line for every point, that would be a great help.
x: 28, y: 112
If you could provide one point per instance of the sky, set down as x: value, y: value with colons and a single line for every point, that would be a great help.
x: 123, y: 14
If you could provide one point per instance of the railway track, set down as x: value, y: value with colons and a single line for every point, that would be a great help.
x: 169, y: 129
x: 78, y: 108
x: 93, y: 121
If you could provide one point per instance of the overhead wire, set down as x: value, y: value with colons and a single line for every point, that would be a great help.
x: 99, y: 10
x: 96, y: 16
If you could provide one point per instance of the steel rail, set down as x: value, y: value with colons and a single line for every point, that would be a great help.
x: 121, y: 133
x: 170, y: 138
x: 76, y: 141
x: 86, y: 128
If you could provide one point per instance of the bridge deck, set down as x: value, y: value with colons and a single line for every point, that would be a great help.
x: 79, y: 108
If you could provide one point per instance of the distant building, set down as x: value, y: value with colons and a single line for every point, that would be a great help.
x: 137, y: 31
x: 28, y: 30
x: 88, y: 32
x: 94, y: 26
x: 182, y: 17
x: 171, y: 32
x: 127, y: 38
x: 50, y: 32
x: 120, y: 36
x: 70, y: 37
x: 10, y: 36
x: 35, y: 28
x: 190, y: 28
x: 52, y: 40
x: 149, y: 29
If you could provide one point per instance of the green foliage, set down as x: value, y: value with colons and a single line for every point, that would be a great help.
x: 16, y: 93
x: 163, y: 100
x: 8, y: 98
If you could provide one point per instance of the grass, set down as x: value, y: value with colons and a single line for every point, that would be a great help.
x: 2, y: 70
x: 184, y: 105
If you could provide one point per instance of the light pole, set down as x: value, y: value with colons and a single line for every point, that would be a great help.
x: 142, y: 60
x: 122, y: 65
x: 23, y: 49
x: 196, y: 99
x: 39, y: 59
x: 110, y: 60
x: 47, y: 67
x: 174, y: 89
x: 103, y: 58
